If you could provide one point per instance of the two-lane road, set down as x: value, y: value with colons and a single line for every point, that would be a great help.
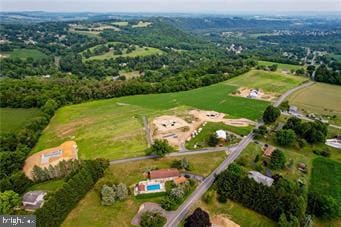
x: 181, y: 212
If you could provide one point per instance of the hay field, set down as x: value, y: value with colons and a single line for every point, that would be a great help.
x: 281, y: 66
x: 139, y: 51
x: 24, y: 54
x: 321, y: 99
x: 113, y: 128
x: 274, y: 82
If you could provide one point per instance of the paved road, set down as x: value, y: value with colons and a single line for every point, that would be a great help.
x: 308, y: 119
x: 188, y: 152
x: 181, y: 212
x: 147, y: 130
x: 286, y: 94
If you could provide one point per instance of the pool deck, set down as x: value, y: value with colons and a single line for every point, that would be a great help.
x: 142, y: 187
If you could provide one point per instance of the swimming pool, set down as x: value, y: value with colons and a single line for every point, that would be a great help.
x: 153, y: 187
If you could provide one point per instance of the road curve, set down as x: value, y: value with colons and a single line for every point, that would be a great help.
x: 286, y: 94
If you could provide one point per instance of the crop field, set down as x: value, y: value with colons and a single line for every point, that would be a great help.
x: 281, y: 66
x: 90, y: 212
x: 326, y: 178
x: 121, y: 23
x: 139, y: 51
x: 113, y: 128
x: 25, y: 53
x: 13, y: 119
x: 321, y: 99
x: 274, y: 82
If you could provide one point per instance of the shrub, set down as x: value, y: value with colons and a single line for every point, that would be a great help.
x: 277, y: 160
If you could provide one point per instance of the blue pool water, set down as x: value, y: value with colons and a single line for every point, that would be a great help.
x: 153, y: 187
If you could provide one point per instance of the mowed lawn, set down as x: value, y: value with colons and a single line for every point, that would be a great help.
x: 280, y: 66
x: 235, y: 212
x: 113, y: 128
x: 275, y: 82
x: 25, y: 53
x: 14, y: 119
x: 90, y: 212
x: 321, y: 99
x: 326, y: 178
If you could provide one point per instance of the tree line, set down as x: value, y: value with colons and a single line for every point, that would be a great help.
x: 282, y: 197
x: 61, y: 202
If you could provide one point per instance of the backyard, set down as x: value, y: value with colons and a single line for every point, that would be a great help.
x: 89, y: 210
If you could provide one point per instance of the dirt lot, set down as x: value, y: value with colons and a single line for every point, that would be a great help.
x: 221, y: 221
x: 177, y: 130
x: 68, y: 150
x: 261, y: 95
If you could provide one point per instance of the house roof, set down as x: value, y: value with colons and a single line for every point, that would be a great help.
x: 180, y: 180
x: 141, y: 187
x: 32, y: 196
x: 268, y: 151
x: 260, y: 178
x: 164, y: 173
x: 221, y: 134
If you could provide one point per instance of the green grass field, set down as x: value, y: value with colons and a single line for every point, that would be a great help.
x: 113, y: 128
x: 89, y: 211
x: 139, y: 51
x: 321, y: 99
x: 235, y: 212
x: 281, y: 66
x: 201, y: 140
x: 48, y: 186
x: 25, y: 53
x: 268, y: 81
x: 326, y: 178
x: 13, y: 119
x: 121, y: 23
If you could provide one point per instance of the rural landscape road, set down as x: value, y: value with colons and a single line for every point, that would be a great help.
x: 286, y: 94
x: 181, y: 212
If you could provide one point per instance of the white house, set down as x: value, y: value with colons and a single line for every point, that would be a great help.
x: 33, y: 200
x: 336, y: 142
x: 221, y: 134
x: 260, y: 178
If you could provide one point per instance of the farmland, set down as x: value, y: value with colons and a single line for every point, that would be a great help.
x: 310, y: 100
x: 140, y: 51
x: 326, y: 178
x: 141, y: 24
x: 274, y: 82
x: 280, y: 66
x: 90, y: 211
x: 113, y: 128
x: 12, y: 120
x: 25, y: 53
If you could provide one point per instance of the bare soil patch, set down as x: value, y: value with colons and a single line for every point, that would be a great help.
x: 261, y: 95
x: 222, y: 221
x: 176, y: 130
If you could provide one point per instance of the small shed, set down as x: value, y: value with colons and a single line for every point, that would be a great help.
x: 221, y: 134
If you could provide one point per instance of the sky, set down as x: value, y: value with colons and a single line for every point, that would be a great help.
x: 189, y: 6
